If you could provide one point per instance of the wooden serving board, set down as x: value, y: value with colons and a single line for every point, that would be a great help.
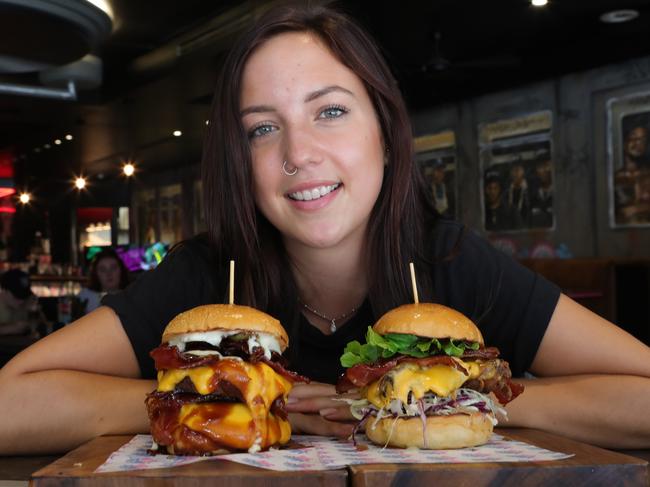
x: 590, y: 466
x: 76, y: 470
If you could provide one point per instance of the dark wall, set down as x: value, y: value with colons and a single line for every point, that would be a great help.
x: 54, y: 218
x: 579, y: 140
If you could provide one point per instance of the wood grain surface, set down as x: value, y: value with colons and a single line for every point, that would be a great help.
x: 590, y: 466
x: 76, y: 470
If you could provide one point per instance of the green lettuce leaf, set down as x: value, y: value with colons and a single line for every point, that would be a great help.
x: 386, y: 346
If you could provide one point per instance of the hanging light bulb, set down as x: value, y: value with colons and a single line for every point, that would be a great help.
x: 80, y: 183
x: 128, y: 169
x: 24, y: 198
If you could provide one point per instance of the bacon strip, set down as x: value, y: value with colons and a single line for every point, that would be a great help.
x: 287, y: 374
x: 216, y: 431
x: 507, y: 391
x: 482, y: 353
x: 278, y: 408
x: 166, y: 357
x: 495, y: 375
x: 361, y: 375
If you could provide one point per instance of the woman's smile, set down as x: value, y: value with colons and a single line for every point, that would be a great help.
x: 313, y: 196
x: 314, y: 193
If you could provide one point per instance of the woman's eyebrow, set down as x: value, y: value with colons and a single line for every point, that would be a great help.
x: 324, y: 91
x: 257, y: 109
x: 310, y: 97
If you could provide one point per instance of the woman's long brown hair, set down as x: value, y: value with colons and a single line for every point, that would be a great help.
x: 237, y: 230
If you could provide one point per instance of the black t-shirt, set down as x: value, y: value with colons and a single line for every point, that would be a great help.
x: 510, y: 304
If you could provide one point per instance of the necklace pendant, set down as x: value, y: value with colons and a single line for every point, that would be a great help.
x: 333, y: 326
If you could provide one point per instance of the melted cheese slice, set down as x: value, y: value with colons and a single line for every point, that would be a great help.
x: 251, y: 379
x: 409, y: 377
x: 258, y: 384
x: 193, y: 415
x: 233, y: 425
x: 200, y: 377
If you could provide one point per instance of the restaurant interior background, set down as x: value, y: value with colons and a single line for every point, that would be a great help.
x: 491, y: 87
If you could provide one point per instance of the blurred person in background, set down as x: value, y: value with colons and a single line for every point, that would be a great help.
x: 517, y: 194
x: 20, y: 313
x: 541, y: 198
x: 108, y: 274
x: 439, y: 190
x: 498, y: 216
x: 635, y: 148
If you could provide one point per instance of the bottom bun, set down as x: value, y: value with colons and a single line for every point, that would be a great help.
x: 442, y: 432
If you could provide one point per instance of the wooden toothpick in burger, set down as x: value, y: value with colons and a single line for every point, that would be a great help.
x: 414, y: 284
x: 426, y: 379
x: 222, y: 381
x: 231, y: 283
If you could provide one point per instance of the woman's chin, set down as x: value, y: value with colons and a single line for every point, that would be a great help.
x: 338, y: 236
x: 317, y: 239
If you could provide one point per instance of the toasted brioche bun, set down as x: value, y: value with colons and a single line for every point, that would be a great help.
x: 220, y: 317
x: 443, y: 432
x: 429, y: 320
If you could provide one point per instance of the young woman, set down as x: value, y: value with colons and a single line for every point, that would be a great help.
x: 311, y: 189
x: 107, y: 275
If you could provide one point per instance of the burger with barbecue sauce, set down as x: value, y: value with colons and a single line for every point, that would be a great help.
x: 222, y: 383
x: 425, y: 379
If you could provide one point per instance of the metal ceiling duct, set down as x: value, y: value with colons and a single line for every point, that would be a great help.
x: 38, y: 34
x: 51, y: 37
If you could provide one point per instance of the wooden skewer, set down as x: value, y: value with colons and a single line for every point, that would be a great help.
x: 415, y: 287
x: 232, y: 283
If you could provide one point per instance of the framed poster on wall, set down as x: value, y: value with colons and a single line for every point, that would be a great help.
x: 435, y: 154
x: 628, y: 125
x: 517, y: 173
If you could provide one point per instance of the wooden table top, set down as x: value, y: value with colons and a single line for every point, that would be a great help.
x: 76, y: 470
x: 590, y: 466
x: 21, y: 468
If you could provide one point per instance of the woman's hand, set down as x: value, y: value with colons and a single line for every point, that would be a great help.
x: 316, y: 408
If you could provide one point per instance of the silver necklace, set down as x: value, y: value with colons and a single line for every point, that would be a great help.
x: 327, y: 318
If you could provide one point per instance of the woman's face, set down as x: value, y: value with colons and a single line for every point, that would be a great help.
x: 300, y: 104
x: 108, y: 272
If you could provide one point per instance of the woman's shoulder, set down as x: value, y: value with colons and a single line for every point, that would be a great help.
x: 188, y: 261
x: 461, y: 254
x: 197, y: 246
x: 194, y: 253
x: 450, y: 238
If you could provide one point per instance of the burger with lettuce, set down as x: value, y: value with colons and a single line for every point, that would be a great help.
x: 426, y: 380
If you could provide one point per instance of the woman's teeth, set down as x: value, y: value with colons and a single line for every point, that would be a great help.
x: 313, y: 194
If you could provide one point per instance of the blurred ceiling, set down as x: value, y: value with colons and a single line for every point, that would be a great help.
x: 161, y: 60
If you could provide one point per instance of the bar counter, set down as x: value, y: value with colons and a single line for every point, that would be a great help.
x: 589, y: 466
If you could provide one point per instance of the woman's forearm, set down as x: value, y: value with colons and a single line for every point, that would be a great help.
x: 606, y: 410
x: 57, y: 410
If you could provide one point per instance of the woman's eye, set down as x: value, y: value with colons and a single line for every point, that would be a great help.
x: 333, y: 112
x: 260, y: 131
